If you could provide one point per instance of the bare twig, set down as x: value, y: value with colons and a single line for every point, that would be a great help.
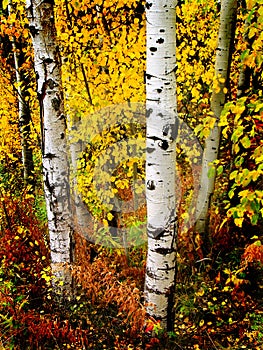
x: 86, y: 83
x: 214, y: 345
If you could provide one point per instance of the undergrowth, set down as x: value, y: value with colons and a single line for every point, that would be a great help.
x: 218, y: 303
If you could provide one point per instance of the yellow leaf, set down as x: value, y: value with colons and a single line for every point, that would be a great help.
x: 243, y: 193
x: 201, y: 323
x: 238, y: 221
x: 252, y: 32
x: 200, y: 292
x: 185, y: 216
x: 5, y: 4
x: 20, y: 229
x: 110, y: 216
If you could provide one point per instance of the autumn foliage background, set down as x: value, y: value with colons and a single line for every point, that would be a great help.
x: 219, y: 279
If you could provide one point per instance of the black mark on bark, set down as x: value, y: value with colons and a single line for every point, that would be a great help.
x: 50, y: 155
x: 51, y: 84
x: 150, y: 185
x: 148, y: 5
x: 148, y: 112
x: 150, y: 149
x: 56, y: 103
x: 48, y: 60
x: 163, y: 145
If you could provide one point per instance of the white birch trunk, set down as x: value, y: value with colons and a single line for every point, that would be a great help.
x: 23, y: 113
x: 54, y: 146
x: 24, y: 125
x: 222, y: 69
x: 161, y: 119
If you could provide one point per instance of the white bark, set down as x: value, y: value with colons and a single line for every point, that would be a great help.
x: 23, y: 112
x: 24, y: 124
x: 54, y: 147
x: 222, y: 69
x: 161, y: 113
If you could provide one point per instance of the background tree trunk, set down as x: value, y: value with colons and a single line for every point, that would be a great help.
x: 81, y: 216
x: 54, y: 145
x: 245, y: 71
x: 24, y: 122
x: 24, y: 114
x: 161, y: 114
x: 222, y: 70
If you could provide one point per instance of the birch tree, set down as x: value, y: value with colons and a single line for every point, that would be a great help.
x: 222, y: 70
x: 24, y: 116
x: 54, y: 146
x: 24, y: 113
x: 161, y: 124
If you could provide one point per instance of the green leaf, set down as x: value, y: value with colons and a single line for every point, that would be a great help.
x: 245, y: 141
x: 244, y: 54
x: 255, y: 206
x: 233, y: 175
x: 239, y: 161
x: 235, y: 214
x: 220, y: 170
x: 211, y: 172
x: 244, y: 201
x: 231, y: 193
x: 254, y: 219
x: 237, y: 133
x: 258, y: 243
x: 251, y: 14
